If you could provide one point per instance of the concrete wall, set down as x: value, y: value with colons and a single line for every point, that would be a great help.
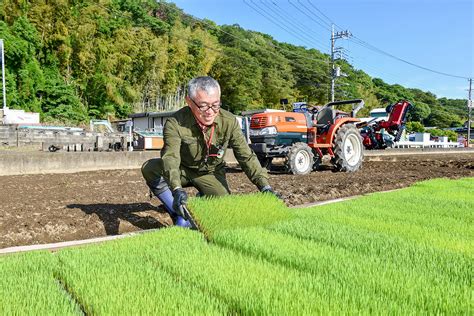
x: 17, y: 163
x: 14, y: 136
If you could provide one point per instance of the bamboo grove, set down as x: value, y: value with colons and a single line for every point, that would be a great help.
x: 73, y: 60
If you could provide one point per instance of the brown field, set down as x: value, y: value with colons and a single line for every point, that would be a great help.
x: 46, y: 208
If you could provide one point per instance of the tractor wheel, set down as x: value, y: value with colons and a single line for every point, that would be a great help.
x: 300, y: 159
x: 348, y: 149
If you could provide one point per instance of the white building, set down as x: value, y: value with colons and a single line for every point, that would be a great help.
x: 150, y: 121
x: 20, y: 117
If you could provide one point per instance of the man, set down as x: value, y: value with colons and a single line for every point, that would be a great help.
x: 195, y: 141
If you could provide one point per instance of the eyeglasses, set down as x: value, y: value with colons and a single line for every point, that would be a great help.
x: 205, y: 107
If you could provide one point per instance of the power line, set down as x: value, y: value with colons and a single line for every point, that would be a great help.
x: 246, y: 41
x: 380, y: 51
x: 309, y: 16
x: 289, y: 20
x: 271, y: 20
x: 324, y: 15
x: 318, y: 75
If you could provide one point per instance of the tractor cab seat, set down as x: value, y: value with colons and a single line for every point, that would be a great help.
x: 324, y: 118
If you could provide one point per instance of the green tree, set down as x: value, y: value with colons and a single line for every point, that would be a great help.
x: 442, y: 119
x: 240, y: 77
x: 415, y: 127
x: 419, y: 112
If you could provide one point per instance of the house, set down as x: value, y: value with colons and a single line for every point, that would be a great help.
x: 150, y: 121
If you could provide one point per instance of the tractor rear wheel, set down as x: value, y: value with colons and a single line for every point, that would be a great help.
x: 348, y: 149
x: 300, y: 159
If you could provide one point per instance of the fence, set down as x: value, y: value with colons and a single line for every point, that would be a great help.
x: 61, y: 138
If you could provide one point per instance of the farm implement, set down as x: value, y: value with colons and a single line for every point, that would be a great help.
x: 384, y: 133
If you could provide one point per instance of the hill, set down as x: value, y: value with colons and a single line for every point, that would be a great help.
x: 73, y: 60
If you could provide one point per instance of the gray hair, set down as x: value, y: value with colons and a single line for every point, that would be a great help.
x: 204, y: 84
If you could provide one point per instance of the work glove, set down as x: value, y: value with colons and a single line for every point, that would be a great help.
x: 268, y: 189
x: 180, y: 198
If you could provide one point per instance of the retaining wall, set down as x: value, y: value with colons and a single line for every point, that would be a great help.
x: 14, y: 136
x: 17, y: 163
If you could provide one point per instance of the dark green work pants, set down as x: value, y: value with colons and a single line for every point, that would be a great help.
x: 208, y: 184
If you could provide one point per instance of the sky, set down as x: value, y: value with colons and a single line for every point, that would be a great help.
x: 432, y: 34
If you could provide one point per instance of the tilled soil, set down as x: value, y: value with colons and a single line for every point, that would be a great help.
x: 37, y: 209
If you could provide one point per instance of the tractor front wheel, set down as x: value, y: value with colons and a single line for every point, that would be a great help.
x: 348, y: 149
x: 300, y: 159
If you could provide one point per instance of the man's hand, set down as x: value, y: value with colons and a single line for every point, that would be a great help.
x: 180, y: 198
x: 268, y: 189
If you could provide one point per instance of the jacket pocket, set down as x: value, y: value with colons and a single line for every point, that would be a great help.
x: 190, y: 149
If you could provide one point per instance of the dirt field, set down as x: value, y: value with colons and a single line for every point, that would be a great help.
x: 38, y: 209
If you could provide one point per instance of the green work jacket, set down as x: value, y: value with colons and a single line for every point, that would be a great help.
x: 185, y: 147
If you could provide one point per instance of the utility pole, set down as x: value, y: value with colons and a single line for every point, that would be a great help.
x: 334, y: 50
x: 3, y: 76
x: 469, y: 108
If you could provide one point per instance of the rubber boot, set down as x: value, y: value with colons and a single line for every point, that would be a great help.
x: 166, y: 197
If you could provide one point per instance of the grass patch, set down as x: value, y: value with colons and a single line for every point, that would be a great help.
x: 28, y: 287
x: 119, y: 278
x: 215, y: 214
x: 404, y: 252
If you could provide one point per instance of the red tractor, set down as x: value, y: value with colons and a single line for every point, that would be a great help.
x: 304, y: 138
x: 376, y: 133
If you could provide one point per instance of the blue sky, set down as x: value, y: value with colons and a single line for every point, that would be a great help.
x: 435, y: 34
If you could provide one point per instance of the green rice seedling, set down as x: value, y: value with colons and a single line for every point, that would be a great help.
x: 248, y: 285
x: 359, y: 282
x: 220, y: 213
x: 421, y: 214
x: 394, y: 249
x: 28, y: 287
x: 118, y: 278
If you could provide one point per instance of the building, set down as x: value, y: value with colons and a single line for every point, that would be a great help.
x: 150, y: 121
x: 11, y: 116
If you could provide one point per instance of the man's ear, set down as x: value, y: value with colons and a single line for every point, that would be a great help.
x: 188, y: 101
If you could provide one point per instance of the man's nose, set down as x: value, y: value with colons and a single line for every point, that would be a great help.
x: 209, y: 111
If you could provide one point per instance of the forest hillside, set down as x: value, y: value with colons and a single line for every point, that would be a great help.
x: 72, y: 60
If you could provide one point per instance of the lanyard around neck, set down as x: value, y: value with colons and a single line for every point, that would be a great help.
x: 208, y: 143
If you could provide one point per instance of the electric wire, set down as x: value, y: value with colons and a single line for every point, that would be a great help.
x: 368, y: 46
x: 309, y: 16
x: 378, y: 50
x: 261, y: 12
x: 291, y: 61
x: 320, y: 12
x: 247, y: 42
x: 289, y: 20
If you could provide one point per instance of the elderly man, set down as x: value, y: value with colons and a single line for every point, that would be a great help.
x: 195, y: 140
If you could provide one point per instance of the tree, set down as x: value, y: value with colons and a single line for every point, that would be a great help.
x: 415, y: 127
x: 419, y: 112
x: 442, y: 119
x: 240, y: 77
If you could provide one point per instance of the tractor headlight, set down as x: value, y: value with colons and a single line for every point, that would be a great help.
x: 270, y: 130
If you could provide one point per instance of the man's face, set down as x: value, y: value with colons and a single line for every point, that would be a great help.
x: 205, y: 106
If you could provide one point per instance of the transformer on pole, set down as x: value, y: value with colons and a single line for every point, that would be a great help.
x: 335, y: 72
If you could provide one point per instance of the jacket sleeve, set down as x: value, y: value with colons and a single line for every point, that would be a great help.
x: 171, y: 153
x: 247, y: 158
